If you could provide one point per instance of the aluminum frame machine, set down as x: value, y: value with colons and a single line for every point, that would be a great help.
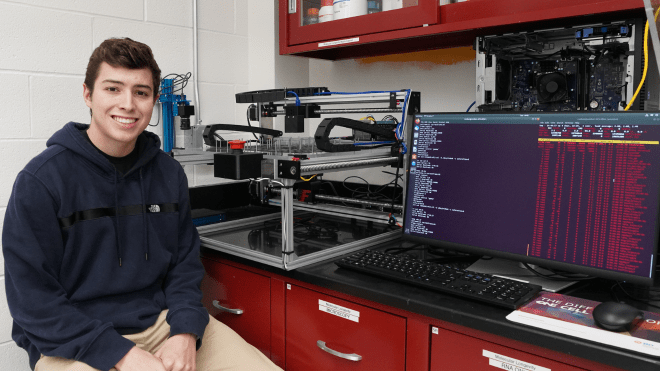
x: 281, y: 170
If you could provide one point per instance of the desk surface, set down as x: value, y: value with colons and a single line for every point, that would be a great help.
x: 468, y: 313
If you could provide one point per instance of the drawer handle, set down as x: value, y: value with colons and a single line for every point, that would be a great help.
x: 350, y: 357
x: 233, y: 311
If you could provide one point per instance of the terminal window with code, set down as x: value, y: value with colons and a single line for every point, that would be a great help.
x: 576, y: 188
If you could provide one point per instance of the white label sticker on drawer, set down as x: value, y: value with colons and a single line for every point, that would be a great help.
x: 339, y: 311
x: 512, y: 364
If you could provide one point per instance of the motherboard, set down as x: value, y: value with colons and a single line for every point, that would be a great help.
x: 593, y: 68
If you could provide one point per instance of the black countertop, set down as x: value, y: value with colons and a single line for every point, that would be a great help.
x: 469, y: 313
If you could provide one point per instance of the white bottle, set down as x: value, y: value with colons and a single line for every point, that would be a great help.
x: 327, y: 11
x: 349, y: 8
x: 392, y: 4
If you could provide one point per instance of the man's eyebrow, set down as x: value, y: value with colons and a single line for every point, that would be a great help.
x: 144, y: 87
x: 121, y: 83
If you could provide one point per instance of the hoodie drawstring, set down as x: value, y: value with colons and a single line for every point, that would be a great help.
x: 118, y: 234
x: 144, y: 220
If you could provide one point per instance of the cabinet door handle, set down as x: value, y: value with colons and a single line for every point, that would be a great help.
x: 233, y: 311
x: 350, y: 357
x: 292, y: 6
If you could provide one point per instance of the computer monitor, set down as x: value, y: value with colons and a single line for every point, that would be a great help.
x: 575, y: 191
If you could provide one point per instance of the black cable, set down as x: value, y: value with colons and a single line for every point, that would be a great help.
x: 390, y: 118
x: 159, y: 113
x: 382, y: 188
x: 355, y: 190
x: 556, y: 276
x: 444, y: 253
x: 367, y: 193
x: 400, y: 249
x: 376, y: 145
x: 178, y: 80
x: 183, y: 81
x: 372, y: 195
x: 247, y: 115
x: 392, y: 220
x: 641, y: 300
x: 541, y: 57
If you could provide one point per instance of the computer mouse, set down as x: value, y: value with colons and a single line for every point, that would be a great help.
x: 615, y: 316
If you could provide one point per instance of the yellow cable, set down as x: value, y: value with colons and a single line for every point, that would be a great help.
x: 310, y: 178
x: 646, y: 61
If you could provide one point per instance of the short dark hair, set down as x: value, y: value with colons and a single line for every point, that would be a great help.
x: 124, y: 53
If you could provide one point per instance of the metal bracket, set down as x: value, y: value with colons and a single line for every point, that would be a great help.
x: 393, y: 104
x: 292, y: 6
x: 288, y: 170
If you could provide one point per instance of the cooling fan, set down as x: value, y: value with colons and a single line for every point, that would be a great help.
x: 551, y: 87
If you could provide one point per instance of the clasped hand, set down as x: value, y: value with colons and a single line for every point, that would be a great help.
x: 178, y: 353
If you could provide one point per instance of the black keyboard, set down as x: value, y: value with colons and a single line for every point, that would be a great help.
x: 498, y: 291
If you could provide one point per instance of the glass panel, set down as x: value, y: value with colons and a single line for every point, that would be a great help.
x: 319, y: 11
x: 311, y: 233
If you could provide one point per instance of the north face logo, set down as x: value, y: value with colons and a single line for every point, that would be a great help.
x: 154, y: 209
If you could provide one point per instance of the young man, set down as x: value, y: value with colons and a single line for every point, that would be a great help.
x: 102, y: 264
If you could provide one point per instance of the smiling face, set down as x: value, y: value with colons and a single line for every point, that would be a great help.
x: 122, y: 103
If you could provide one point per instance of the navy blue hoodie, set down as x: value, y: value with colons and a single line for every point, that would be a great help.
x: 91, y: 254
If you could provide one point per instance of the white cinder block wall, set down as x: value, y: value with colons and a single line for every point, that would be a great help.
x: 43, y: 56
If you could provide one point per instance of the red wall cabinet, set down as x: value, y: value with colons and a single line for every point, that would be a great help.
x: 424, y: 25
x: 241, y: 300
x: 326, y: 333
x: 413, y: 13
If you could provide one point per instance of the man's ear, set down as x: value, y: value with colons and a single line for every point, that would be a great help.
x: 87, y: 95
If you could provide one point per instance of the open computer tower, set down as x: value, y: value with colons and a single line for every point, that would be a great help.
x: 593, y: 67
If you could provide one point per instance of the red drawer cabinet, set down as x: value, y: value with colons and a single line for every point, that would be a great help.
x: 241, y: 300
x: 326, y: 333
x: 302, y: 327
x: 453, y: 351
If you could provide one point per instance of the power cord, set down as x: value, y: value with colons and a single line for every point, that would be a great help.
x: 247, y: 115
x: 557, y: 276
x: 159, y: 113
x: 646, y: 61
x: 646, y: 301
x: 179, y: 80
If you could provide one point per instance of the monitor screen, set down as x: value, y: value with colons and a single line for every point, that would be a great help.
x: 576, y: 191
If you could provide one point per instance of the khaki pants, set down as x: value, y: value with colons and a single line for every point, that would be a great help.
x: 222, y: 349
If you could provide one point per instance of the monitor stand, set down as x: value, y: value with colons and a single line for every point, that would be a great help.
x: 515, y: 271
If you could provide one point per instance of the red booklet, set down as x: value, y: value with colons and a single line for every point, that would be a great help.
x: 573, y: 316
